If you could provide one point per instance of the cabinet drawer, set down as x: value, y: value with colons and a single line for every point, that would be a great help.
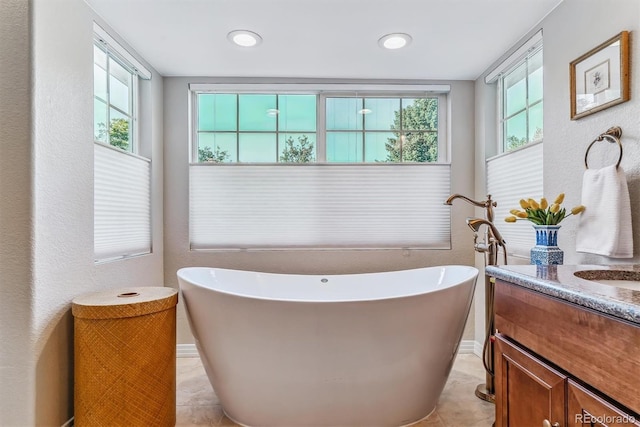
x: 598, y: 349
x: 585, y: 409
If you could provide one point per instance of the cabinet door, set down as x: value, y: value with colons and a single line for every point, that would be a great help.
x: 529, y: 393
x: 588, y: 410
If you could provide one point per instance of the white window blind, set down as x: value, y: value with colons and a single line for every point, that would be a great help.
x: 510, y: 177
x: 122, y: 203
x: 262, y: 206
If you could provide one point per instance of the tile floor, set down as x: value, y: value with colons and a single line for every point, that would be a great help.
x: 197, y: 404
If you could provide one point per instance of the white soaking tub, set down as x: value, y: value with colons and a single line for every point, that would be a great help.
x: 370, y: 349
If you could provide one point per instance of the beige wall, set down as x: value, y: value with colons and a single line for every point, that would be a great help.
x: 178, y: 255
x: 47, y: 208
x: 16, y: 367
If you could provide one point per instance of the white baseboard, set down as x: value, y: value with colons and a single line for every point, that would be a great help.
x: 186, y: 350
x: 68, y: 423
x: 477, y: 348
x: 466, y: 347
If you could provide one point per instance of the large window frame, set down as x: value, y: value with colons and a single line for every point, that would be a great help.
x: 321, y: 205
x: 524, y: 161
x: 122, y: 177
x: 322, y: 93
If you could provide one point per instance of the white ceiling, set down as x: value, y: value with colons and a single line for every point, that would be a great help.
x: 452, y: 39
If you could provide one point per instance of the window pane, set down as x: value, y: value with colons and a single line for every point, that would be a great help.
x: 381, y: 113
x: 217, y: 147
x: 420, y: 147
x: 119, y: 130
x: 378, y: 146
x: 100, y: 82
x: 119, y: 87
x: 344, y: 147
x: 515, y: 94
x: 515, y: 131
x: 297, y: 113
x: 342, y: 114
x: 257, y: 147
x: 99, y: 120
x: 535, y: 78
x: 258, y: 113
x: 420, y: 114
x: 99, y: 57
x: 535, y: 122
x: 297, y: 147
x: 217, y: 112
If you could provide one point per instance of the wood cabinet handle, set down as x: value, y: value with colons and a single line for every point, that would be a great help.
x: 547, y: 423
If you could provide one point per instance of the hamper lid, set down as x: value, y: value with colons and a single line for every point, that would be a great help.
x: 124, y: 302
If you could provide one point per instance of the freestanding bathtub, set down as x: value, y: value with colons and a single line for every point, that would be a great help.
x: 369, y: 349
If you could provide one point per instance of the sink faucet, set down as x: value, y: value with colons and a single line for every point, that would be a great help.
x: 487, y: 204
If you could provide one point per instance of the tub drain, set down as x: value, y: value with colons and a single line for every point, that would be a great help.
x: 324, y: 280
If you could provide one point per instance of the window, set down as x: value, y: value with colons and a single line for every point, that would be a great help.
x: 254, y: 128
x: 316, y: 169
x: 521, y: 102
x: 114, y: 96
x: 382, y: 129
x: 122, y: 179
x: 271, y: 128
x: 517, y: 171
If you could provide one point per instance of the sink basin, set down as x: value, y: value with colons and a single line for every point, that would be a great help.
x: 618, y: 278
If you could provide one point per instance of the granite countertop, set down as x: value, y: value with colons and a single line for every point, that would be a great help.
x: 559, y: 281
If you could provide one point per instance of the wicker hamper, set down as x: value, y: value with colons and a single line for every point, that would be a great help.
x: 125, y: 357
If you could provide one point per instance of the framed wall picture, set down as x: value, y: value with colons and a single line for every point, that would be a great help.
x: 600, y: 77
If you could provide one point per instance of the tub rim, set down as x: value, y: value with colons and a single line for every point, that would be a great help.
x: 472, y: 274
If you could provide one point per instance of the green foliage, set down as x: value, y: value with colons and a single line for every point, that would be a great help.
x: 415, y: 146
x: 206, y: 154
x: 514, y: 142
x: 302, y: 152
x: 118, y: 133
x: 546, y: 216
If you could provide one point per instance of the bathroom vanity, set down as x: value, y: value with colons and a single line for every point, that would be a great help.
x: 567, y: 348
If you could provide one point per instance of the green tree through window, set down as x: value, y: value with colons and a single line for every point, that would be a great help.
x: 302, y: 152
x: 416, y: 138
x: 118, y: 133
x: 206, y: 154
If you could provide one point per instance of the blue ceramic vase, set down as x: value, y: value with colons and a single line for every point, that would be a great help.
x: 546, y: 250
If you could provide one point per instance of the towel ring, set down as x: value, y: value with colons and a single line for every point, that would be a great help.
x: 613, y: 136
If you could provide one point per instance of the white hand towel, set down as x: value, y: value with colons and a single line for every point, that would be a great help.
x: 605, y: 225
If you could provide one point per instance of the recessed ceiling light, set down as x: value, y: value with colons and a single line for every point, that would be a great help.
x: 244, y: 38
x: 394, y: 40
x: 272, y: 112
x: 364, y: 111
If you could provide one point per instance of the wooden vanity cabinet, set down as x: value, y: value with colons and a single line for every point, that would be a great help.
x: 558, y: 364
x: 527, y: 390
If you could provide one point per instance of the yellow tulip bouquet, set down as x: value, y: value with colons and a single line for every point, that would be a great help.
x: 541, y: 213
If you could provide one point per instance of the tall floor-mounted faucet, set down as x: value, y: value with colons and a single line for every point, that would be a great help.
x: 487, y: 204
x: 489, y: 246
